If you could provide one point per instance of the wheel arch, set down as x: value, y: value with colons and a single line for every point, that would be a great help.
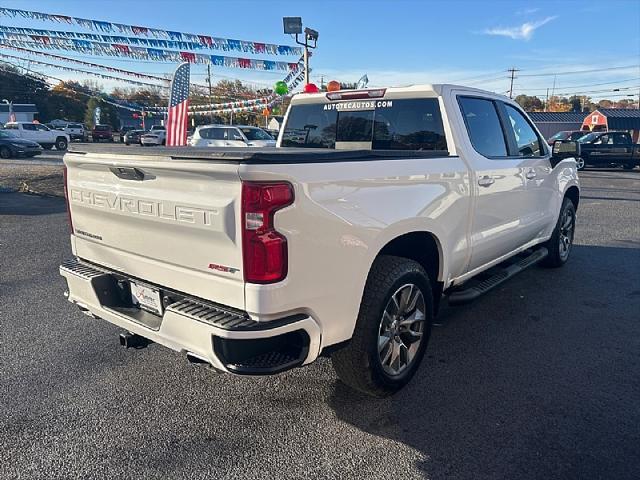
x: 423, y: 247
x: 573, y: 194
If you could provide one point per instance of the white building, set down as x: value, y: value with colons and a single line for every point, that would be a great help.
x: 24, y: 112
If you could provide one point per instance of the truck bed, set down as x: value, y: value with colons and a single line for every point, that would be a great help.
x: 255, y: 155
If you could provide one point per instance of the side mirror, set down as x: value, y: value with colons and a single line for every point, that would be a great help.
x: 564, y: 149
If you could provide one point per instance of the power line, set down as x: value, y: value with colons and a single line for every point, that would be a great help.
x: 596, y: 70
x: 584, y: 85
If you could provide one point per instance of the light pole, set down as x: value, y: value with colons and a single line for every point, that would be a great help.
x: 293, y: 26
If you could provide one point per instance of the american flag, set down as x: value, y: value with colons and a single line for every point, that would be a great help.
x: 178, y: 106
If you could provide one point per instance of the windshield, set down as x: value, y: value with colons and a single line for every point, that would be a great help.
x: 256, y: 134
x: 5, y: 134
x: 588, y: 138
x: 102, y: 128
x: 560, y: 136
x: 404, y: 124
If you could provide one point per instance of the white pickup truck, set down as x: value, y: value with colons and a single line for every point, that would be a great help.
x: 342, y: 242
x: 39, y: 133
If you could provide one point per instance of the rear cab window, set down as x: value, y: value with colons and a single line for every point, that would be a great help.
x: 389, y: 124
x: 483, y: 125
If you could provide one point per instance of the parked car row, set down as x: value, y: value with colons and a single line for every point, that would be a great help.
x: 41, y: 134
x: 12, y: 146
x: 231, y: 136
x: 608, y: 148
x: 203, y: 136
x: 206, y: 136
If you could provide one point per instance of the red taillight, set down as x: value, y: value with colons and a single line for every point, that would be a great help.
x: 264, y: 250
x: 66, y: 197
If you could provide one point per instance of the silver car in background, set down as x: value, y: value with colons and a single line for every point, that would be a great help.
x: 231, y: 136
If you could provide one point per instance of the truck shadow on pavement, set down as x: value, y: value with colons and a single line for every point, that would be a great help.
x: 532, y: 381
x: 26, y: 204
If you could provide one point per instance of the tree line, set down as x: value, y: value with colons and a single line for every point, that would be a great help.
x: 574, y: 103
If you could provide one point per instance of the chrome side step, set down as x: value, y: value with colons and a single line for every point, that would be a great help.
x: 495, y: 276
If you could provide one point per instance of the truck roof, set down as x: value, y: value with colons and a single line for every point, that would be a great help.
x: 410, y: 91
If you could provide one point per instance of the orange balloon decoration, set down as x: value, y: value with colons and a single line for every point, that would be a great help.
x: 266, y: 112
x: 333, y: 86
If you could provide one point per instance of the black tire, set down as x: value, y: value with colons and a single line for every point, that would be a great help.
x: 47, y: 146
x: 629, y: 166
x: 5, y: 152
x: 359, y: 364
x: 61, y: 143
x: 127, y: 143
x: 558, y: 256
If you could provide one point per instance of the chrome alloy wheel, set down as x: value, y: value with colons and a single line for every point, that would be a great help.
x: 401, y: 329
x: 566, y: 233
x: 580, y: 163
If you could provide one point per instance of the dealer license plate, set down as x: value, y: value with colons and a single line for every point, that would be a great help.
x: 146, y: 298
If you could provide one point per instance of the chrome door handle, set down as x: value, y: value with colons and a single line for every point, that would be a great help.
x: 530, y: 175
x: 486, y: 181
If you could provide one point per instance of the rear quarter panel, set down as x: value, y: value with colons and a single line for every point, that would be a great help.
x: 343, y: 215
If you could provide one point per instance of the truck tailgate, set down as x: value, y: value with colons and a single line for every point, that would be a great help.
x: 173, y: 223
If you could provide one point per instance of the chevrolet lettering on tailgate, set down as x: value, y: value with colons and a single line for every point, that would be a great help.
x: 162, y: 210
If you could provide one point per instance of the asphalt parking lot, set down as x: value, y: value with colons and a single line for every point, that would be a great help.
x: 538, y: 379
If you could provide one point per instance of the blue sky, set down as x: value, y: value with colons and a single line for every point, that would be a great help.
x: 403, y: 42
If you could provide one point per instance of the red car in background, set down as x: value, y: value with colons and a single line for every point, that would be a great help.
x: 102, y: 132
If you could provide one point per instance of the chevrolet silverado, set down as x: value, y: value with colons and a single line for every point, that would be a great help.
x: 376, y: 206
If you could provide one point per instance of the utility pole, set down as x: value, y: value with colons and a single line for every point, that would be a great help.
x: 546, y: 103
x: 210, y: 89
x: 513, y: 76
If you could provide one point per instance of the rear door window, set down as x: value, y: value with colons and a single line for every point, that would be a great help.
x: 234, y: 134
x: 621, y: 138
x: 212, y: 133
x: 404, y: 124
x: 483, y: 125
